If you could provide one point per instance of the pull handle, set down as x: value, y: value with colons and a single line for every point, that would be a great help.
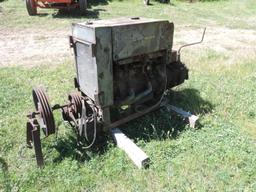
x: 191, y: 44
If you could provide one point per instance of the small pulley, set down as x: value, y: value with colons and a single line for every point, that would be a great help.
x: 76, y: 100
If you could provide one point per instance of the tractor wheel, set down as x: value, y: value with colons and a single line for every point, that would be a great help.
x: 31, y: 7
x: 82, y: 6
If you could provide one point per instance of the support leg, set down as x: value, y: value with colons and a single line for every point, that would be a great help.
x: 138, y: 156
x: 29, y: 134
x: 37, y: 146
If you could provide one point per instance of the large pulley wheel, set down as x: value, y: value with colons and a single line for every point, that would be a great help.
x: 31, y: 7
x: 82, y: 6
x: 43, y: 107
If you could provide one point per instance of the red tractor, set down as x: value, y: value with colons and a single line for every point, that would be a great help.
x: 55, y: 4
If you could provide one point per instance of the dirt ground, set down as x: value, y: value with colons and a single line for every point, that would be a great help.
x: 220, y: 39
x: 35, y: 47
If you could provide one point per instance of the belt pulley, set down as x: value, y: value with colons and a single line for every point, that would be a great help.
x: 43, y: 107
x: 75, y: 112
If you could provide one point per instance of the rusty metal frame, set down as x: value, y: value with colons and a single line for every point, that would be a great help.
x: 132, y: 117
x: 33, y: 139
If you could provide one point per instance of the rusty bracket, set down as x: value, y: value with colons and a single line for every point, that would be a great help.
x: 33, y: 139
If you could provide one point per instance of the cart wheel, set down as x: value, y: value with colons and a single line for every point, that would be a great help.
x: 31, y: 7
x: 42, y: 105
x: 82, y: 6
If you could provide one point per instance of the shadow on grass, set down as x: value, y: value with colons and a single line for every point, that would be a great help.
x: 5, y: 172
x: 157, y: 125
x: 41, y: 14
x: 161, y: 124
x: 190, y: 100
x: 99, y: 2
x: 69, y: 148
x: 168, y: 2
x: 163, y: 1
x: 90, y: 14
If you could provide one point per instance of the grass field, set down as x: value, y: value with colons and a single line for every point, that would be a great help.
x: 233, y: 14
x: 218, y: 156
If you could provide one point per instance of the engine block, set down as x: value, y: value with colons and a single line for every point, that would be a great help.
x: 124, y: 65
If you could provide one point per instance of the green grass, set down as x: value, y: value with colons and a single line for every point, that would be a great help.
x: 219, y: 156
x: 234, y: 14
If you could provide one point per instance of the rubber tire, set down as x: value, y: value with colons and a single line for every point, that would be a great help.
x: 31, y: 7
x: 82, y: 6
